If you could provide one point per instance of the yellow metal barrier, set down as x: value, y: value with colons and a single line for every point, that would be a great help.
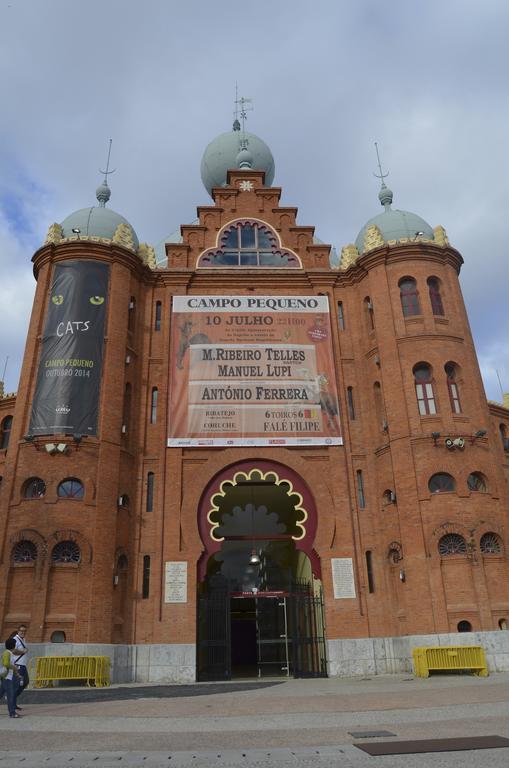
x: 95, y: 670
x: 450, y: 657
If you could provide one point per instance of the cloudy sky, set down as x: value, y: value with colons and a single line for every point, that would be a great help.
x: 427, y: 79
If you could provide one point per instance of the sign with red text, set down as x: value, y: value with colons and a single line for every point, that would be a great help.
x: 252, y: 370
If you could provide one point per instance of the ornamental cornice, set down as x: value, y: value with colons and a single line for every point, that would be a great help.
x: 72, y: 248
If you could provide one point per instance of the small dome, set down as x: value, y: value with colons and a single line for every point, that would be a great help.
x: 96, y: 221
x: 221, y: 155
x: 395, y: 225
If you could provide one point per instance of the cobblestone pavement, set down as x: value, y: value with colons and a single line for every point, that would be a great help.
x: 297, y: 723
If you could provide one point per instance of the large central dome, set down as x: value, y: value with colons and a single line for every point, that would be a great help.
x: 221, y: 155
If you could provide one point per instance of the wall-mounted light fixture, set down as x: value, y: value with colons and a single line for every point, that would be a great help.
x: 478, y: 434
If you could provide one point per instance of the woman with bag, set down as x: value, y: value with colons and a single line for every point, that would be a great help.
x: 11, y: 676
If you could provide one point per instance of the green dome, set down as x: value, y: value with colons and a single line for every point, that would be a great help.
x: 221, y: 155
x: 395, y: 224
x: 96, y: 221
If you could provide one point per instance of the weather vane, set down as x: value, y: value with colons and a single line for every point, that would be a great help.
x: 382, y: 175
x: 242, y: 107
x: 107, y: 171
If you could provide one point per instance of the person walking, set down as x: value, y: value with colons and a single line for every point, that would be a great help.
x: 21, y: 660
x: 12, y: 677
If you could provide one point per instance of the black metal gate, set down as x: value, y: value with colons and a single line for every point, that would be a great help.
x: 290, y: 632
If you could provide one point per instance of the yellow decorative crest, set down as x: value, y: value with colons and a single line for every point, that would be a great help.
x: 216, y: 499
x: 147, y: 254
x: 441, y: 236
x: 124, y: 236
x: 349, y: 255
x: 373, y: 238
x: 54, y: 234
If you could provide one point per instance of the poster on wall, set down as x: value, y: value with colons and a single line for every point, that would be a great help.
x: 66, y: 398
x: 342, y: 578
x: 252, y: 370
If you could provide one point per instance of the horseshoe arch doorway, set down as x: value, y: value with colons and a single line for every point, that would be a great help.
x: 259, y: 602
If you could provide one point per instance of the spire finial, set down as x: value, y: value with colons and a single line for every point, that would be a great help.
x: 103, y: 192
x: 385, y: 194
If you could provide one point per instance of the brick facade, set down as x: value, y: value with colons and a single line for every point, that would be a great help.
x: 411, y: 589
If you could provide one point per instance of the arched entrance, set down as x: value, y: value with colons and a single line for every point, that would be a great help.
x: 260, y: 610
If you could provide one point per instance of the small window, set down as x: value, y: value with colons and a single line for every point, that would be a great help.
x: 388, y: 497
x: 66, y: 552
x: 153, y: 406
x: 490, y: 544
x: 35, y: 488
x: 504, y: 438
x: 369, y: 570
x: 360, y: 490
x: 58, y: 636
x: 5, y: 433
x: 452, y: 544
x: 379, y: 409
x: 24, y: 552
x: 158, y: 314
x: 502, y: 624
x: 145, y: 591
x: 441, y: 483
x: 434, y: 296
x: 351, y: 406
x: 122, y: 563
x: 409, y: 297
x: 424, y: 389
x: 150, y: 492
x: 451, y: 370
x: 71, y: 488
x: 126, y: 413
x: 341, y: 316
x: 131, y: 317
x: 476, y: 482
x: 370, y: 316
x: 464, y: 626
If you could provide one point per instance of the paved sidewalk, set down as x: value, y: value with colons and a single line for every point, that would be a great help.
x: 296, y: 723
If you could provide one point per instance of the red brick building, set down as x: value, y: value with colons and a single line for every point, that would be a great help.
x: 381, y: 511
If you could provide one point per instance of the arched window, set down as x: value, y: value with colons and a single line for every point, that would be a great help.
x: 58, y: 636
x: 66, y: 552
x: 145, y: 589
x: 424, y: 389
x: 34, y: 488
x: 464, y: 626
x: 360, y: 490
x: 24, y: 552
x: 409, y: 297
x: 476, y: 482
x: 158, y: 314
x: 153, y: 406
x: 434, y: 296
x: 150, y: 492
x: 504, y: 438
x: 5, y: 433
x: 248, y: 243
x: 490, y: 544
x: 123, y: 501
x: 388, y: 497
x: 452, y: 544
x: 370, y: 315
x: 122, y: 563
x: 351, y: 405
x: 441, y: 483
x: 71, y: 488
x: 451, y: 370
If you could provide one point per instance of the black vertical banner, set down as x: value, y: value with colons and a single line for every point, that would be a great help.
x: 66, y: 396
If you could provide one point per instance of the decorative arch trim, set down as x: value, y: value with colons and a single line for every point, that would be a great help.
x: 206, y: 257
x: 305, y: 507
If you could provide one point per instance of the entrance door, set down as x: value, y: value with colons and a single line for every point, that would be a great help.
x: 272, y: 637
